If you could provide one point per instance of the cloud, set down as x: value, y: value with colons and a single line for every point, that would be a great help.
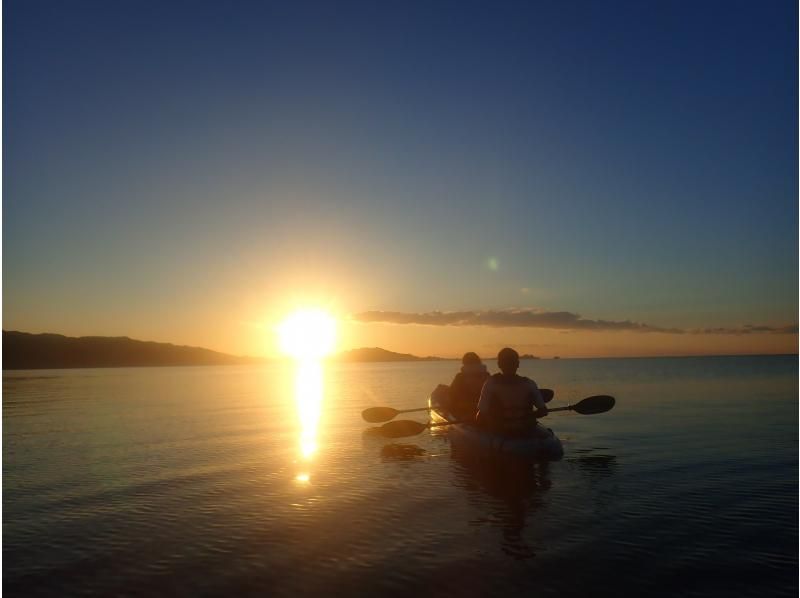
x: 511, y: 318
x: 748, y: 329
x: 557, y: 320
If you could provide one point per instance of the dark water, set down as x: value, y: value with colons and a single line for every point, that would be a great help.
x: 193, y: 481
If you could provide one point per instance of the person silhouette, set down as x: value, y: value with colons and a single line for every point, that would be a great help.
x: 465, y: 389
x: 510, y: 404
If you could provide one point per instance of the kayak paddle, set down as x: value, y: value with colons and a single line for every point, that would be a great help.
x: 375, y: 415
x: 590, y: 405
x: 406, y: 427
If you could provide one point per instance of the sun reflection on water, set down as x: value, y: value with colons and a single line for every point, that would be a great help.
x: 307, y: 335
x: 308, y: 397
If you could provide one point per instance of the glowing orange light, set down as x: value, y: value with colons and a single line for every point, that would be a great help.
x: 307, y: 334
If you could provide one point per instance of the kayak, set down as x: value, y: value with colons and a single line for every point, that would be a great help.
x: 542, y: 444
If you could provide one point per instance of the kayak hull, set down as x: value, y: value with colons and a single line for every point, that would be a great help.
x: 541, y: 445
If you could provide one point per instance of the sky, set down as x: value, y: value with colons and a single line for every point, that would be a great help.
x: 570, y: 178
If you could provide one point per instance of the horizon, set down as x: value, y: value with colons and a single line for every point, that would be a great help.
x: 488, y: 357
x: 580, y: 181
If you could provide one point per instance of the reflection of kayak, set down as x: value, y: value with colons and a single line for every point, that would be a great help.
x: 541, y: 444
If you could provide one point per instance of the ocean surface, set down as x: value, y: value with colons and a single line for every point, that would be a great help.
x: 231, y: 481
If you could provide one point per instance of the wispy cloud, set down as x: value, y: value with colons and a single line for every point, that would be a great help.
x: 557, y: 320
x: 748, y: 329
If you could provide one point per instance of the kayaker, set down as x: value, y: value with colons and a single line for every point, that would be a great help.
x: 509, y: 404
x: 466, y: 387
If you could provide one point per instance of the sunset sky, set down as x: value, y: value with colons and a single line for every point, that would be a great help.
x: 569, y: 178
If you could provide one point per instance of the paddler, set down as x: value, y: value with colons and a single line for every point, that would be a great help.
x: 510, y: 404
x: 466, y: 387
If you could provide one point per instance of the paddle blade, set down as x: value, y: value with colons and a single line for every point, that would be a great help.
x: 595, y: 404
x: 401, y: 428
x: 375, y: 415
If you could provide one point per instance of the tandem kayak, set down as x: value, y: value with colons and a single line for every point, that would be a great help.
x: 542, y: 444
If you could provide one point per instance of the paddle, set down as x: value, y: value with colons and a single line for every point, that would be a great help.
x: 589, y: 405
x: 376, y: 415
x: 407, y: 427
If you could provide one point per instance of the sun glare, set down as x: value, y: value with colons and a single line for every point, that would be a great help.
x: 307, y: 334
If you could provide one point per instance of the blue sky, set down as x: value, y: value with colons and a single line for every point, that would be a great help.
x: 175, y: 166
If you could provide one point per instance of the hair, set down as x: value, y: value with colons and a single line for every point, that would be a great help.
x: 507, y: 359
x: 470, y: 358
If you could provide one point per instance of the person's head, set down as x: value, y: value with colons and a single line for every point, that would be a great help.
x: 508, y: 361
x: 470, y: 359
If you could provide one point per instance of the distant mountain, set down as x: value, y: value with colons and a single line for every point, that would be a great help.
x: 371, y: 354
x: 22, y: 350
x: 25, y: 351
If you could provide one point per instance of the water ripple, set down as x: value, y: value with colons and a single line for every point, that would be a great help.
x: 189, y: 481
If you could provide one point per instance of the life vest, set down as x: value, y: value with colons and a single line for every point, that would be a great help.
x: 473, y: 377
x: 466, y: 389
x: 512, y: 402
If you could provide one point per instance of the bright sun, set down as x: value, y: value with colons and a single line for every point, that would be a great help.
x: 307, y: 334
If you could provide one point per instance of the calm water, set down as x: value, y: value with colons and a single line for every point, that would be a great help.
x: 201, y: 481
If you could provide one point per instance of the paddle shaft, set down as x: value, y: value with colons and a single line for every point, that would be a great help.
x: 567, y: 408
x: 434, y: 425
x: 608, y: 403
x: 547, y: 395
x: 549, y: 410
x: 382, y: 414
x: 407, y: 427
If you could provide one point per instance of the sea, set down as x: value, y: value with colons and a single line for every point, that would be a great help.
x: 265, y: 481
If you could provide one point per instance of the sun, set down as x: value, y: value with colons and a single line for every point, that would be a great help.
x: 307, y: 334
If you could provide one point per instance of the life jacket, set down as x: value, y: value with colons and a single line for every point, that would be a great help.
x: 473, y: 377
x: 466, y: 390
x: 512, y: 402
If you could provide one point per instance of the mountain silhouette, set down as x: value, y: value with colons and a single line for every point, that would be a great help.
x: 26, y: 351
x: 371, y: 354
x: 22, y: 351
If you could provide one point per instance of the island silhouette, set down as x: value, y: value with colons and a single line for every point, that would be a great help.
x: 370, y: 354
x: 26, y: 351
